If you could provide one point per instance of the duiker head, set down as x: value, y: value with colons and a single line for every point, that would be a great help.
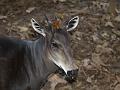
x: 59, y: 50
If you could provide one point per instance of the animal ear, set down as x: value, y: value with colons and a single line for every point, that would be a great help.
x: 37, y: 27
x: 72, y: 24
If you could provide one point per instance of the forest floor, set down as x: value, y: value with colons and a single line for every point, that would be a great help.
x: 95, y: 43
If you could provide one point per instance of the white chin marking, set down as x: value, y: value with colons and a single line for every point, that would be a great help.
x: 64, y: 67
x: 61, y: 66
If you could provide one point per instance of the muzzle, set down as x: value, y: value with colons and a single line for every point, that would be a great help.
x: 71, y: 75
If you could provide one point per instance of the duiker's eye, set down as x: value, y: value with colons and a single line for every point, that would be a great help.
x: 54, y: 44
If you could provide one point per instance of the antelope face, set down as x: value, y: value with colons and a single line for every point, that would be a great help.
x: 59, y: 46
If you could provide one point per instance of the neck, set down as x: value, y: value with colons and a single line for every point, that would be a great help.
x: 39, y: 63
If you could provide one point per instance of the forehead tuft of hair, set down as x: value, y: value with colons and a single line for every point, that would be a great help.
x: 56, y: 24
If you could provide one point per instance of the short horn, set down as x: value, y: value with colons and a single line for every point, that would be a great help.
x: 49, y: 23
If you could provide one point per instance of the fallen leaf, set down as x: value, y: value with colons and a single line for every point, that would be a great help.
x: 89, y: 79
x: 29, y: 10
x: 96, y: 59
x: 117, y: 19
x: 62, y: 0
x: 112, y: 7
x: 95, y: 37
x: 117, y: 87
x: 3, y: 17
x: 103, y: 49
x: 22, y: 28
x: 79, y: 11
x: 55, y: 80
x: 109, y: 24
x: 116, y: 32
x: 117, y: 11
x: 87, y: 63
x: 59, y: 1
x: 67, y: 87
x: 118, y: 78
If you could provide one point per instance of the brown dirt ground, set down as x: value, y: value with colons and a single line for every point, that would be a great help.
x: 95, y: 43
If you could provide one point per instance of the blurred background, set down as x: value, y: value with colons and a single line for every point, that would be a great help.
x: 95, y: 43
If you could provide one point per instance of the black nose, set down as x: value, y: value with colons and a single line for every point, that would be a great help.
x: 71, y: 75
